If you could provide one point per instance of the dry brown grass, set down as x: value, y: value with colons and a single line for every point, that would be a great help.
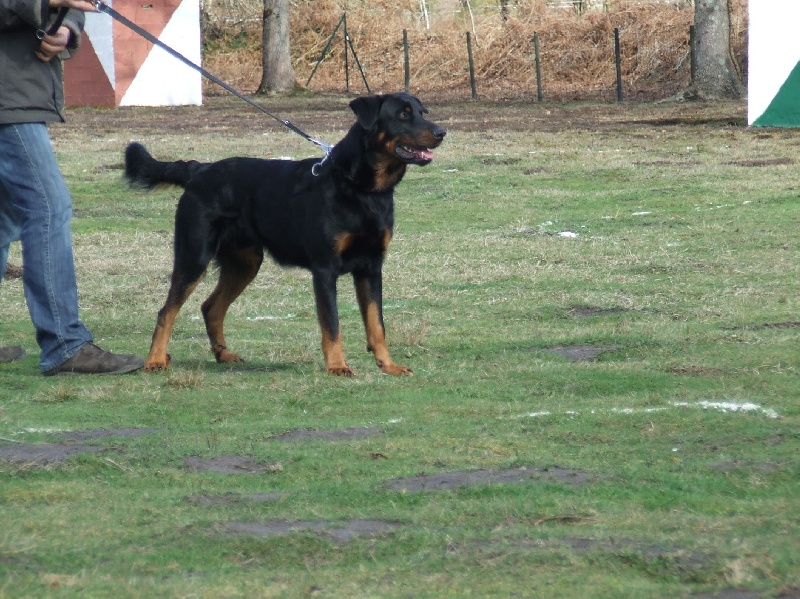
x: 577, y: 49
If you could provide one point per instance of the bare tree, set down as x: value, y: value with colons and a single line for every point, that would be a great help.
x: 716, y: 76
x: 277, y: 74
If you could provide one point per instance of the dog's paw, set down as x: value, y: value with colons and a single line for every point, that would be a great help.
x: 157, y: 364
x: 340, y: 371
x: 396, y: 370
x: 226, y: 357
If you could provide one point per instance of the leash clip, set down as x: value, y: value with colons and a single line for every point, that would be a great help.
x: 53, y: 29
x: 315, y: 168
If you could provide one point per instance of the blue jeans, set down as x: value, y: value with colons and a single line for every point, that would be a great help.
x: 36, y: 208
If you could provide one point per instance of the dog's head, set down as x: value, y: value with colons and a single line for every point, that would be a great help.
x: 397, y: 128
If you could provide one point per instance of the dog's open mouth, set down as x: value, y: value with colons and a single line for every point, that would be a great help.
x: 416, y: 155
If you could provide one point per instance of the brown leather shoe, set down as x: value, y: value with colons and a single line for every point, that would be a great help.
x: 90, y: 359
x: 11, y: 353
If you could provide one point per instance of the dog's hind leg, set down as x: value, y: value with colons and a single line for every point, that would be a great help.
x: 179, y: 292
x: 238, y: 268
x: 193, y: 251
x: 369, y: 294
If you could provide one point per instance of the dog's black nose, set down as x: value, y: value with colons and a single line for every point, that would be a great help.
x: 439, y: 133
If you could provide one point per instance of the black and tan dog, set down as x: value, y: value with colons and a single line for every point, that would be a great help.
x: 334, y: 221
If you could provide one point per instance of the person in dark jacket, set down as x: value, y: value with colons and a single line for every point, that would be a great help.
x: 35, y: 205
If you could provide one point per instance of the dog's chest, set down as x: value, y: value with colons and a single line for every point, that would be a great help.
x: 362, y: 244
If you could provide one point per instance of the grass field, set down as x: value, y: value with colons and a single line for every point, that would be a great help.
x: 600, y: 305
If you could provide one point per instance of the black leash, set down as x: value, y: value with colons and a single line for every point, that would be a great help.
x: 53, y: 29
x: 103, y: 7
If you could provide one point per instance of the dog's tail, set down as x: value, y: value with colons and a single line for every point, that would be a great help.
x: 142, y: 170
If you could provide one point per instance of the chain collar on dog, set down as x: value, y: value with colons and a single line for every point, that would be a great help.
x: 103, y: 7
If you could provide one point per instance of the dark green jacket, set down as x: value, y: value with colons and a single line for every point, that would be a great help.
x: 31, y: 91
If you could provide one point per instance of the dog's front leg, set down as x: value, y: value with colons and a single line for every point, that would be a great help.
x: 328, y: 316
x: 370, y: 301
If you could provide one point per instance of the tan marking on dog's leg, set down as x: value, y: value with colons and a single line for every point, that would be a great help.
x: 238, y: 269
x: 158, y: 358
x: 376, y: 335
x: 334, y: 355
x: 387, y: 238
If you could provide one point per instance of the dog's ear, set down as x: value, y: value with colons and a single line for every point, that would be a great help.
x: 367, y: 109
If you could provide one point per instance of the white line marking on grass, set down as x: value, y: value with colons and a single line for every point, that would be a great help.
x: 269, y: 317
x: 34, y: 430
x: 255, y: 318
x: 727, y: 406
x: 42, y: 430
x: 720, y: 406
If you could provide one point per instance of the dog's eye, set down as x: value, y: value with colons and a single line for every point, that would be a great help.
x: 404, y: 116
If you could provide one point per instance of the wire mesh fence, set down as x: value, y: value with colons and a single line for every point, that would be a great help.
x: 422, y: 44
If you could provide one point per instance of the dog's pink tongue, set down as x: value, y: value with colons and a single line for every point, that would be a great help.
x: 425, y: 154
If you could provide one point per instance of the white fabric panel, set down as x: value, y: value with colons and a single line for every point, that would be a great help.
x: 773, y: 51
x: 99, y: 29
x: 163, y: 80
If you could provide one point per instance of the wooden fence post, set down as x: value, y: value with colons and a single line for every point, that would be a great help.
x: 346, y: 61
x: 471, y: 67
x: 618, y: 60
x: 537, y: 61
x: 407, y: 77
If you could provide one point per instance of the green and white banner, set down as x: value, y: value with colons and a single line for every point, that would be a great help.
x: 773, y: 86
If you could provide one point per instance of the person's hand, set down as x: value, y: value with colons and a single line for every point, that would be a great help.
x: 84, y: 5
x: 53, y: 45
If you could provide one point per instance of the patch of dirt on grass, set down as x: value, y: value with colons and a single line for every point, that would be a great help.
x: 229, y: 464
x: 670, y: 559
x: 647, y: 550
x: 448, y: 481
x: 250, y: 369
x: 695, y: 370
x: 728, y: 465
x: 339, y: 531
x: 101, y: 433
x: 730, y: 594
x: 581, y: 352
x: 795, y: 324
x: 318, y: 112
x: 46, y: 454
x: 763, y: 162
x: 333, y: 435
x: 230, y: 499
x: 592, y: 311
x: 495, y: 161
x: 12, y: 272
x: 43, y: 454
x: 667, y: 560
x: 779, y: 325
